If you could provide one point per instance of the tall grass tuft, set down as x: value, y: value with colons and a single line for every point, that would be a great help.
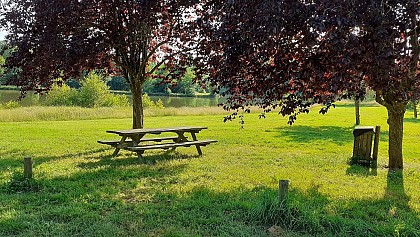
x: 184, y: 111
x: 57, y: 113
x: 269, y: 211
x: 19, y: 184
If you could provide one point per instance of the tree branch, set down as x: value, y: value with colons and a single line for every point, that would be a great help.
x: 153, y: 51
x: 125, y: 66
x: 379, y: 98
x: 166, y: 58
x: 413, y: 32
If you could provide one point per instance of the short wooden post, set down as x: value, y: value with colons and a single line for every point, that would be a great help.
x: 27, y: 167
x: 283, y: 190
x: 376, y: 143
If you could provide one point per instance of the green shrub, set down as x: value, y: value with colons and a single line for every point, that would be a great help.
x: 159, y: 104
x: 2, y: 61
x: 93, y: 93
x: 112, y: 100
x: 149, y: 103
x: 10, y: 105
x: 93, y: 90
x: 61, y: 96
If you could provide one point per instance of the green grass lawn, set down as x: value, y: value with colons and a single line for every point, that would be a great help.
x: 80, y: 190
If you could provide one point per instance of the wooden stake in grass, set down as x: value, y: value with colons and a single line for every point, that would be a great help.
x: 283, y: 191
x: 27, y: 167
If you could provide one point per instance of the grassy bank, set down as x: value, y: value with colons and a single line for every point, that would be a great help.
x: 44, y: 113
x: 14, y: 88
x: 81, y: 191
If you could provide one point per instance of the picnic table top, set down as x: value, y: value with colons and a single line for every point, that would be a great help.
x: 156, y: 130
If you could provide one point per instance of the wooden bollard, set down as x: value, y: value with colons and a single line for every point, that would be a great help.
x: 283, y: 190
x: 27, y: 167
x: 376, y: 143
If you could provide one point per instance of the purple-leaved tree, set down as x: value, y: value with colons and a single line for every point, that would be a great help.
x: 290, y: 54
x: 62, y: 38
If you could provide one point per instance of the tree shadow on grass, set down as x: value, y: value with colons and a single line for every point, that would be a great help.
x: 121, y: 197
x: 411, y: 120
x: 140, y: 200
x: 108, y: 159
x: 111, y: 161
x: 13, y: 163
x: 362, y: 170
x: 17, y: 152
x: 384, y: 136
x: 306, y: 213
x: 315, y: 214
x: 307, y: 134
x: 395, y: 186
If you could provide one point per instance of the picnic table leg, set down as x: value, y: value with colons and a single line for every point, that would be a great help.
x: 140, y: 156
x: 118, y: 147
x: 136, y: 141
x: 180, y: 138
x: 197, y: 146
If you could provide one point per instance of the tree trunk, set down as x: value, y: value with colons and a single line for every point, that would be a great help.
x: 138, y: 116
x: 414, y: 102
x: 357, y: 107
x: 395, y: 121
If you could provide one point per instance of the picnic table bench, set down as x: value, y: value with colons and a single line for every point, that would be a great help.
x: 135, y: 140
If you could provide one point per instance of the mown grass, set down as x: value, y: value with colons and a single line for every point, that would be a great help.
x: 80, y: 190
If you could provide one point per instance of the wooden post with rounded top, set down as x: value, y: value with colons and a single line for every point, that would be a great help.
x: 283, y: 191
x: 27, y: 167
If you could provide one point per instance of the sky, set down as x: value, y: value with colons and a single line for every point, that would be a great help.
x: 2, y: 34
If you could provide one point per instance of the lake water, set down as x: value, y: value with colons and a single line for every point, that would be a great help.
x: 31, y: 98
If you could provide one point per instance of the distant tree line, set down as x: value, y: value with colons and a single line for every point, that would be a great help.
x: 158, y: 84
x: 5, y: 52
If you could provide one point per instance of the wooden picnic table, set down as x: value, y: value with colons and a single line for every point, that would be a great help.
x: 135, y: 139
